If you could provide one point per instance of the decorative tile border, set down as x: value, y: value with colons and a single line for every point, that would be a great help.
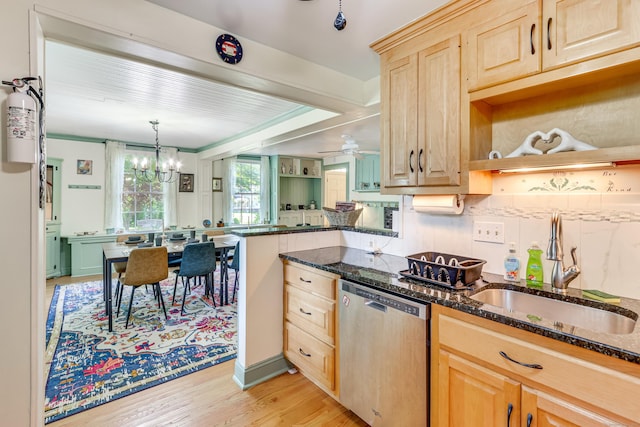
x: 611, y: 195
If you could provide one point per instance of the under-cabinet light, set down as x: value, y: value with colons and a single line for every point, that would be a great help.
x: 560, y: 167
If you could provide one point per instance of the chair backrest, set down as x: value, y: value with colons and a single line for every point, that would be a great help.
x: 146, y: 265
x: 213, y: 232
x: 198, y: 259
x: 235, y: 262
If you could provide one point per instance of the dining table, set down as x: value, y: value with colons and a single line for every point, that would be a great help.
x: 119, y: 252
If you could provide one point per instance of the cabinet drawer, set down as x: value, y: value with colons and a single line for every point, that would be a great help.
x: 310, y: 281
x: 578, y: 378
x: 313, y: 357
x: 311, y: 313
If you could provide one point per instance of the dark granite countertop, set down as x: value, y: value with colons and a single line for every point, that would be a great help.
x: 382, y: 272
x: 267, y: 230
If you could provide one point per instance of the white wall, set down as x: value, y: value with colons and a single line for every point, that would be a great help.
x: 83, y: 209
x: 600, y: 212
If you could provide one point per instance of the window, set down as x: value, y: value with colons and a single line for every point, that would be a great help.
x: 246, y: 192
x: 142, y: 202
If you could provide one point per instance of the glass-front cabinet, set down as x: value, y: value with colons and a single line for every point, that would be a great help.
x: 52, y: 216
x: 368, y: 173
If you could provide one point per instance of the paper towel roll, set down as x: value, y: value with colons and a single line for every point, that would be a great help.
x: 442, y: 205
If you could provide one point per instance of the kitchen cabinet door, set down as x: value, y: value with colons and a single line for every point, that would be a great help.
x: 368, y: 173
x: 290, y: 218
x: 439, y: 114
x: 476, y: 360
x: 543, y: 410
x: 314, y: 217
x: 523, y: 42
x: 421, y: 118
x: 470, y: 395
x: 577, y: 29
x: 505, y: 48
x: 53, y: 251
x: 399, y: 109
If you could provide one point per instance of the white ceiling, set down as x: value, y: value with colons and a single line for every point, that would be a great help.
x: 91, y: 94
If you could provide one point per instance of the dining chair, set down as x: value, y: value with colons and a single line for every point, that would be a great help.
x: 235, y: 266
x: 146, y: 266
x: 198, y: 260
x: 120, y: 267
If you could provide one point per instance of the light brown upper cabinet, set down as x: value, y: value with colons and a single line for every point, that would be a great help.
x: 421, y: 111
x: 543, y: 35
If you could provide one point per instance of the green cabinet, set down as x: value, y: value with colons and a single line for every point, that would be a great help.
x: 52, y: 216
x: 53, y: 250
x: 368, y: 173
x: 294, y: 181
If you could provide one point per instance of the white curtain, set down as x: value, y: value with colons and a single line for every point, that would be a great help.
x: 170, y: 192
x: 228, y: 188
x: 114, y: 177
x: 265, y: 189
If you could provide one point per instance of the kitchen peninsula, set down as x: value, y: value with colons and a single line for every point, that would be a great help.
x: 591, y: 355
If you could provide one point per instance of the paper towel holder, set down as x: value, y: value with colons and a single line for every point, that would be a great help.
x: 459, y: 198
x: 443, y: 204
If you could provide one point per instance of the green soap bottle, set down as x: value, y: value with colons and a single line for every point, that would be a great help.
x: 535, y: 274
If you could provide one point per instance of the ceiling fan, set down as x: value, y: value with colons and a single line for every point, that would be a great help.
x: 351, y: 147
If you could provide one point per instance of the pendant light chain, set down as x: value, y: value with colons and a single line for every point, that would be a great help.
x: 340, y: 22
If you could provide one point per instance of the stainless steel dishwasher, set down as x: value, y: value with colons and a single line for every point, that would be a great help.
x: 384, y: 356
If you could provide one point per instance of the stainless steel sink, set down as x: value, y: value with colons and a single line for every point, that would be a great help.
x: 562, y: 313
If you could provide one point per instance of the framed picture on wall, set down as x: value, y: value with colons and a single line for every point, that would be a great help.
x: 216, y: 184
x: 84, y: 167
x: 186, y: 183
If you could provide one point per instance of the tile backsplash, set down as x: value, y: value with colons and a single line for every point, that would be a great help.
x: 600, y: 216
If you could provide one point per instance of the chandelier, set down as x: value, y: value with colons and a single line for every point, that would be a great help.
x: 161, y: 172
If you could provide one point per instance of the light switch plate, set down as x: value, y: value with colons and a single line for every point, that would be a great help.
x: 492, y: 232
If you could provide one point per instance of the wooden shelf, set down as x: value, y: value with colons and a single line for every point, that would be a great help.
x: 626, y: 155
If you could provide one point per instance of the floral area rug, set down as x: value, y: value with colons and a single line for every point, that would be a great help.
x: 87, y: 366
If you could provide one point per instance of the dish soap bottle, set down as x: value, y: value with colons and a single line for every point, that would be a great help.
x: 512, y: 264
x: 534, y: 266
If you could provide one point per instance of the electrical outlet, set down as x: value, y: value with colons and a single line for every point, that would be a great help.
x: 371, y: 244
x: 492, y: 232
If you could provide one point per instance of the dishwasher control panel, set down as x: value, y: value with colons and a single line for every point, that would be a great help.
x: 387, y: 300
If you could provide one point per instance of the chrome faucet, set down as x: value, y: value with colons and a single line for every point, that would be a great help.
x: 560, y: 277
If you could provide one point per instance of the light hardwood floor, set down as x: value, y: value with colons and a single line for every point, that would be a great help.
x: 211, y: 398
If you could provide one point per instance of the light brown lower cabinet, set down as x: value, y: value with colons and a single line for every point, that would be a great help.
x: 484, y: 373
x: 310, y: 324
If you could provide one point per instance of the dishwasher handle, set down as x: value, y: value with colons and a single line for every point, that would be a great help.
x: 376, y: 306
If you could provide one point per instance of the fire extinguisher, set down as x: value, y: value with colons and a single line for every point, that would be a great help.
x: 21, y: 121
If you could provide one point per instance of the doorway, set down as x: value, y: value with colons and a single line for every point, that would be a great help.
x: 335, y: 187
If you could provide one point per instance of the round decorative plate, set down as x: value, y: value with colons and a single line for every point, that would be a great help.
x: 229, y: 48
x: 206, y: 223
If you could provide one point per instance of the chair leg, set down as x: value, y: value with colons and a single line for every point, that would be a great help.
x: 211, y: 284
x: 159, y: 291
x: 119, y: 299
x: 184, y: 295
x: 235, y: 287
x: 133, y: 289
x: 175, y: 285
